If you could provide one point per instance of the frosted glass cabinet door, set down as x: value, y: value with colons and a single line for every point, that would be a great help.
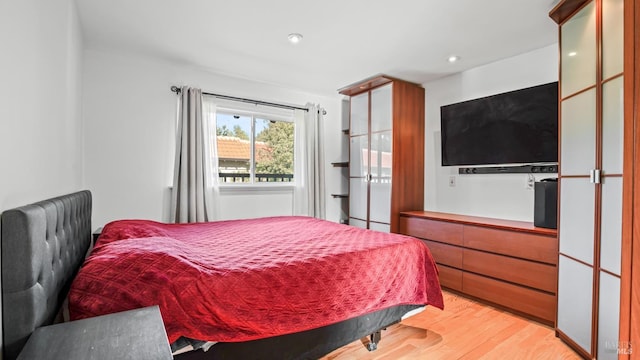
x: 577, y: 202
x: 380, y: 227
x: 610, y: 226
x: 359, y: 114
x: 380, y: 206
x: 359, y: 156
x: 612, y: 126
x: 612, y: 37
x: 608, y: 315
x: 358, y: 198
x: 578, y: 134
x: 381, y: 108
x: 381, y: 159
x: 578, y: 57
x: 380, y: 187
x: 358, y: 223
x: 575, y: 286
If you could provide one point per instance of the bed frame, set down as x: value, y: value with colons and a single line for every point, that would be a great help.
x: 45, y: 243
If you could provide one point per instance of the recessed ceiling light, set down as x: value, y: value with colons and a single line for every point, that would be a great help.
x: 453, y: 58
x: 573, y: 53
x: 294, y: 38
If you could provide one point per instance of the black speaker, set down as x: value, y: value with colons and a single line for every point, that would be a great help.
x: 546, y: 203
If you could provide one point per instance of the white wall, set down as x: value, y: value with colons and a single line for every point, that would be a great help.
x: 498, y: 196
x: 40, y: 125
x: 129, y: 115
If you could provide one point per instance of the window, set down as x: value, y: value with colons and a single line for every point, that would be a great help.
x: 254, y: 148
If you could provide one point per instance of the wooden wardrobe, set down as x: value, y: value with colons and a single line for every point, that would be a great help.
x: 604, y: 268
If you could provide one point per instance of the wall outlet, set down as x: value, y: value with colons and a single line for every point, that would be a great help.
x: 530, y: 182
x: 452, y: 181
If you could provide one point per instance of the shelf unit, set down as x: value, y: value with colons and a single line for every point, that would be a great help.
x: 342, y: 194
x: 340, y: 164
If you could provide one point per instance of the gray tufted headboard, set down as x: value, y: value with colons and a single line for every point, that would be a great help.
x: 43, y: 246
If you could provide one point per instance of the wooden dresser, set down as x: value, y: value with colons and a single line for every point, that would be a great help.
x: 509, y: 263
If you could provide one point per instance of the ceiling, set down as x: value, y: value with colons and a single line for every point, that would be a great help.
x: 344, y: 40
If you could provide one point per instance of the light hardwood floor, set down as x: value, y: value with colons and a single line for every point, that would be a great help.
x: 466, y: 329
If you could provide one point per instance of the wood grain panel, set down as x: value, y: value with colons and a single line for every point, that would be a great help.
x: 565, y: 8
x: 450, y: 278
x: 533, y: 274
x: 519, y: 226
x: 365, y: 85
x: 407, y: 191
x: 630, y: 281
x: 633, y: 57
x: 432, y: 230
x: 522, y: 245
x: 445, y: 254
x: 535, y: 303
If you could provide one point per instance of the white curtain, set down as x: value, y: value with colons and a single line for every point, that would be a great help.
x: 309, y: 193
x: 209, y: 106
x: 191, y: 197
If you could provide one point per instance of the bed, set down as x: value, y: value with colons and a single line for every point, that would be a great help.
x: 58, y: 232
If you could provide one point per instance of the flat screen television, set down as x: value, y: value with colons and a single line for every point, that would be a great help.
x: 516, y: 127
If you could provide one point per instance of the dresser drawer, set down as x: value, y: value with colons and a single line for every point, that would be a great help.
x: 450, y: 278
x: 519, y: 244
x: 441, y: 231
x: 532, y: 302
x: 524, y: 272
x: 445, y: 254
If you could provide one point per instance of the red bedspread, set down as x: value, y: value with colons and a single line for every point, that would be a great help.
x: 249, y: 279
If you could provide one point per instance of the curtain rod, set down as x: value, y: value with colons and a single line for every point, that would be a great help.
x: 177, y: 90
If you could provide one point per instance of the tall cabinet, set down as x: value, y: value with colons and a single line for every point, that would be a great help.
x: 591, y: 175
x: 386, y: 151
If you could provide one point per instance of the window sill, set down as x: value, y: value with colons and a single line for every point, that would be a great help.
x: 241, y: 188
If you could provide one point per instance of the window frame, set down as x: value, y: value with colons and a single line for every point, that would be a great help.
x: 254, y: 114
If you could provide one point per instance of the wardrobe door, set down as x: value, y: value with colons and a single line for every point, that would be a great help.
x: 612, y: 168
x: 611, y: 201
x: 577, y: 214
x: 578, y: 134
x: 612, y: 126
x: 612, y: 135
x: 608, y: 316
x: 381, y: 108
x: 381, y: 158
x: 612, y: 37
x: 577, y: 193
x: 610, y: 226
x: 578, y: 161
x: 359, y: 114
x: 575, y: 301
x: 358, y: 199
x: 358, y: 223
x: 578, y: 56
x: 359, y: 159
